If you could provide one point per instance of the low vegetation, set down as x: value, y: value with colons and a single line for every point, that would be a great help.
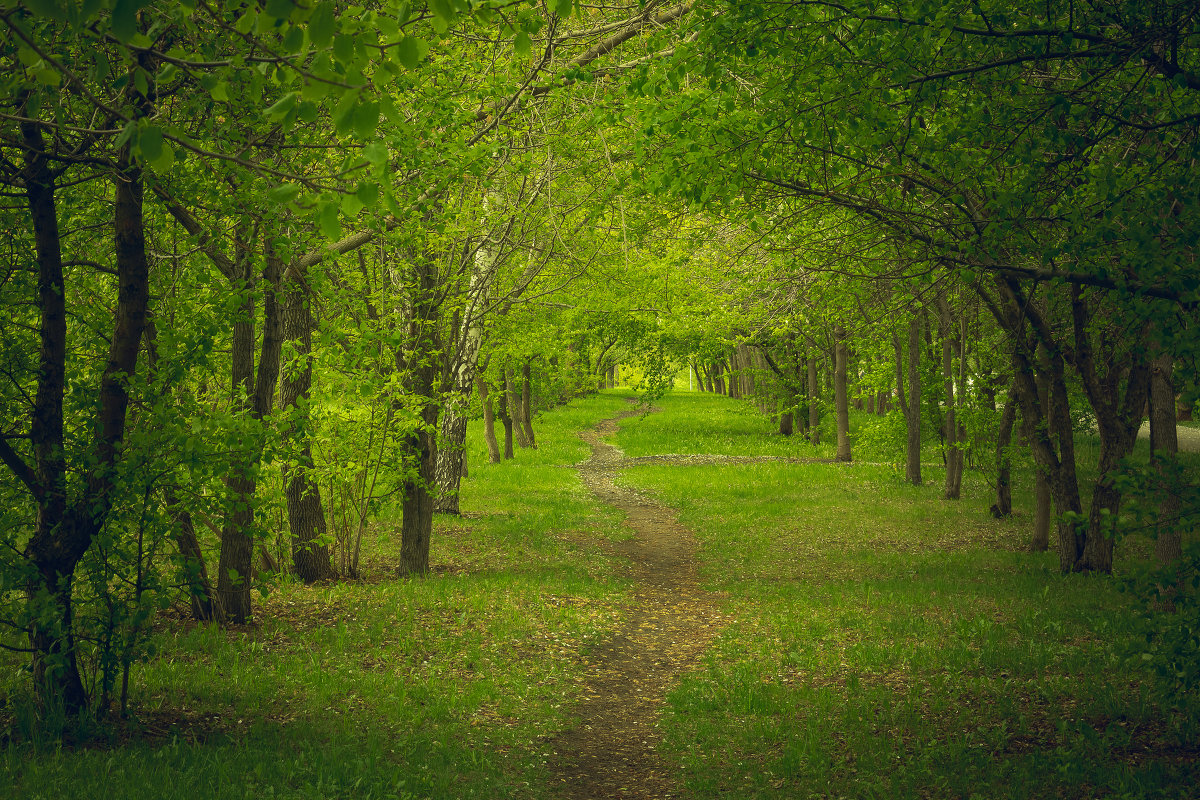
x: 884, y: 643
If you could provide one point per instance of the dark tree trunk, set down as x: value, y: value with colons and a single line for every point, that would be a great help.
x: 200, y: 589
x: 1003, y: 505
x: 306, y: 514
x: 953, y: 483
x: 489, y: 420
x: 420, y: 444
x: 785, y: 423
x: 54, y: 563
x: 527, y: 405
x: 64, y: 533
x: 417, y: 525
x: 840, y: 395
x: 513, y: 407
x: 1118, y: 418
x: 910, y: 402
x: 506, y: 421
x: 814, y: 408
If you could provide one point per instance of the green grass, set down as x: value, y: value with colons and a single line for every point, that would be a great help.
x: 442, y: 687
x: 709, y: 423
x: 888, y: 643
x: 884, y: 643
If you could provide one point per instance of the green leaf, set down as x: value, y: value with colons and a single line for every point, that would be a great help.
x: 389, y: 109
x: 150, y: 142
x: 376, y: 153
x: 408, y: 51
x: 314, y: 90
x: 343, y: 48
x: 293, y: 40
x: 343, y: 112
x: 48, y: 76
x: 165, y: 160
x: 368, y: 193
x: 366, y: 120
x: 442, y: 11
x: 321, y: 25
x: 246, y: 21
x: 308, y: 112
x: 284, y: 193
x: 522, y: 44
x: 141, y: 81
x: 281, y: 108
x: 47, y: 8
x: 562, y: 8
x: 329, y: 221
x: 124, y: 20
x: 351, y: 205
x: 126, y: 133
x: 280, y: 9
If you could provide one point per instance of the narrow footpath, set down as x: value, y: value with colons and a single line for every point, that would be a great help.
x: 613, y: 751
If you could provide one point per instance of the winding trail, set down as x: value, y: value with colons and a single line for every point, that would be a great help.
x: 612, y: 752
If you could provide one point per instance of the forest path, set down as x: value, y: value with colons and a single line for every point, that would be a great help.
x: 612, y: 752
x: 1189, y: 438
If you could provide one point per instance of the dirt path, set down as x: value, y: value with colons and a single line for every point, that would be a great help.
x: 1189, y: 438
x: 612, y: 753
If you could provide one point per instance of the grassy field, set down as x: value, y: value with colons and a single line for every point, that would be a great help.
x: 892, y: 644
x: 441, y: 687
x: 886, y: 643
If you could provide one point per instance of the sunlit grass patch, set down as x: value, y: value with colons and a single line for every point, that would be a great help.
x: 711, y: 424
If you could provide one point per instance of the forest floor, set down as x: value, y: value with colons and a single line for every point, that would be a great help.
x: 613, y: 751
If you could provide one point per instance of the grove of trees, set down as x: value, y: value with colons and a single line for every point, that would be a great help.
x: 264, y: 259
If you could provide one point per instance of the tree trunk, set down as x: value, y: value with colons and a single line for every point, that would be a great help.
x: 910, y: 401
x: 527, y: 404
x: 489, y: 420
x: 506, y: 421
x: 1052, y: 444
x: 306, y: 514
x: 785, y: 423
x: 420, y: 444
x: 1003, y: 505
x: 200, y: 591
x: 450, y: 463
x: 236, y: 562
x: 54, y: 643
x: 814, y: 408
x: 513, y: 407
x: 1118, y: 418
x: 840, y: 395
x: 953, y: 483
x: 1164, y: 446
x: 64, y: 533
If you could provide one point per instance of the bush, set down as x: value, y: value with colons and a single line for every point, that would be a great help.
x: 1167, y: 631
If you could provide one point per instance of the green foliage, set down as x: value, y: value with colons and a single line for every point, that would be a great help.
x: 1167, y: 631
